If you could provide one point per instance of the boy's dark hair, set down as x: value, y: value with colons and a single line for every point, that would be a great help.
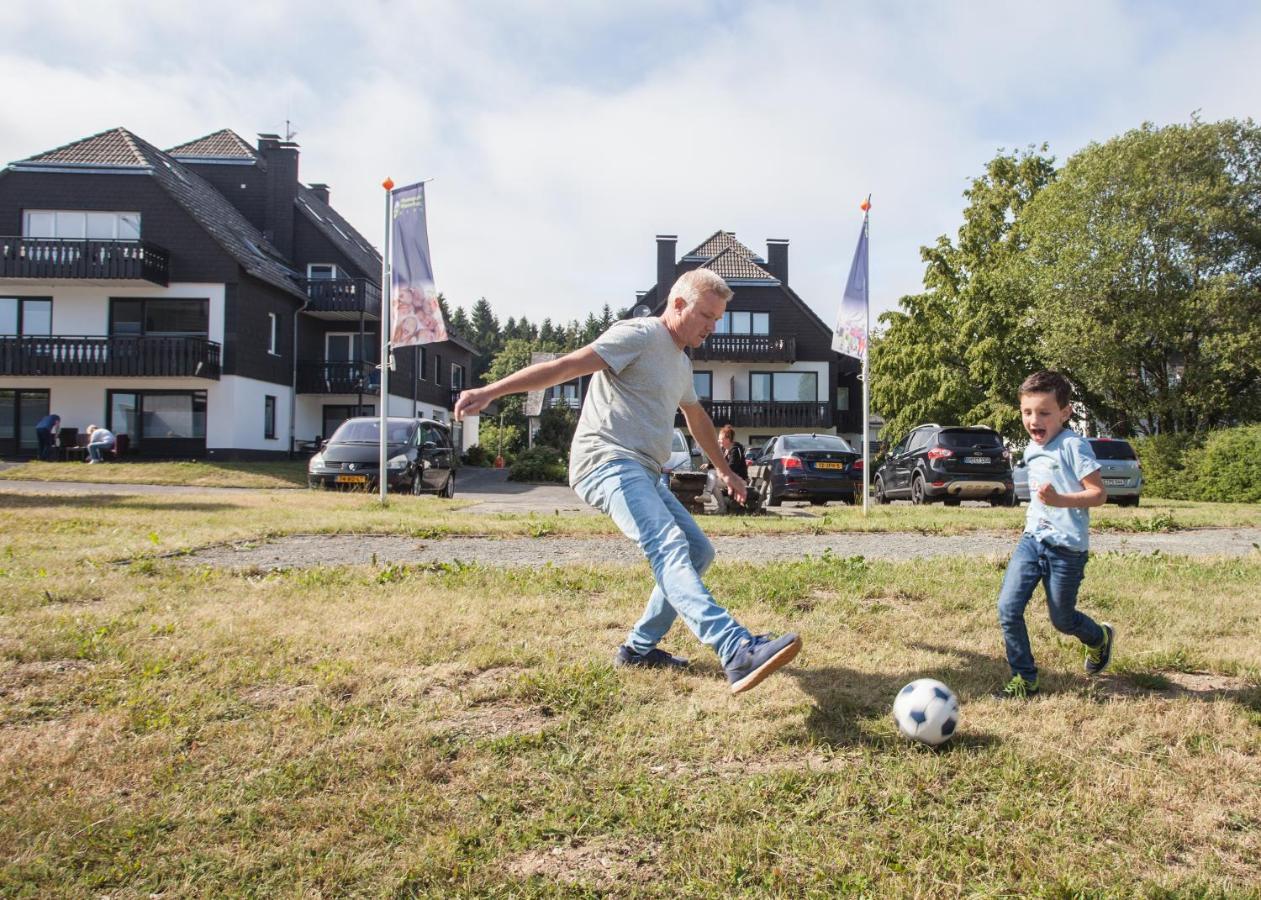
x: 1048, y: 383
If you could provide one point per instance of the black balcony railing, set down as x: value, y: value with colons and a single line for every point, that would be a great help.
x: 23, y: 257
x: 747, y: 348
x: 768, y: 414
x: 110, y: 356
x: 344, y: 296
x: 338, y: 378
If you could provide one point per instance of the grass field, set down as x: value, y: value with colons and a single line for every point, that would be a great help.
x: 457, y: 730
x: 196, y: 474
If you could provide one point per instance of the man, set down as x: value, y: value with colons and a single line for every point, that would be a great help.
x: 46, y: 431
x: 641, y: 376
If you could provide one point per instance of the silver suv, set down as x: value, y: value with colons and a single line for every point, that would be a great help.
x: 1119, y: 468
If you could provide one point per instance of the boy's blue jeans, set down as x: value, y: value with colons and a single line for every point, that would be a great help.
x: 678, y: 551
x: 1060, y: 570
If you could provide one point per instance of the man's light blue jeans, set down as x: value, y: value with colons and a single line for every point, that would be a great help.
x: 678, y: 551
x: 1060, y: 570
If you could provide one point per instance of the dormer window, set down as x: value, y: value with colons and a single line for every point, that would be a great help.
x: 322, y: 270
x: 742, y: 322
x: 79, y: 224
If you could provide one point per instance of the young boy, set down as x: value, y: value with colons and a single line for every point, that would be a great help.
x: 1064, y: 483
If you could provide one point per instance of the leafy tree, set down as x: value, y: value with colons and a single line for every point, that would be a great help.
x: 485, y: 334
x: 557, y: 425
x: 514, y: 356
x: 1145, y: 265
x: 958, y: 352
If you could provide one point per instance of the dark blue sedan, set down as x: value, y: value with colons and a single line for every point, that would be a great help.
x: 814, y: 467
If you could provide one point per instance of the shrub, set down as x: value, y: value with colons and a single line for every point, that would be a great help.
x: 1228, y: 467
x: 476, y: 456
x: 1162, y: 458
x: 539, y: 464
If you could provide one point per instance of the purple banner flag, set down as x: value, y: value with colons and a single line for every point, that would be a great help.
x: 414, y: 310
x: 850, y: 337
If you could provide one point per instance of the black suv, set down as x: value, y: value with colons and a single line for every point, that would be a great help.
x: 948, y: 463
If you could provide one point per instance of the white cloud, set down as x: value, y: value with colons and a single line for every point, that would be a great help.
x: 563, y: 137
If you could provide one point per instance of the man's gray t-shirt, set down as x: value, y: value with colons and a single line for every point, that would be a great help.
x: 630, y: 406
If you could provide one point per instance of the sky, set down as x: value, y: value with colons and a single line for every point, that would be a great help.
x: 563, y: 136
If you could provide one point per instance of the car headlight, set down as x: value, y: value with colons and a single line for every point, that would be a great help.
x: 317, y: 462
x: 397, y: 462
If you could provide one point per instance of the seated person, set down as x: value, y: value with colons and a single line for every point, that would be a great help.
x: 99, y: 440
x: 734, y: 454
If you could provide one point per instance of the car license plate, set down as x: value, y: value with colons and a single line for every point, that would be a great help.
x: 1115, y: 481
x: 352, y: 479
x: 977, y: 460
x: 829, y: 465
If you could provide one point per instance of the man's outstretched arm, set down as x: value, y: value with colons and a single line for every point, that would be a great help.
x: 532, y: 378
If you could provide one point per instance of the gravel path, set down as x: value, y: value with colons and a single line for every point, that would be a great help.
x: 299, y: 551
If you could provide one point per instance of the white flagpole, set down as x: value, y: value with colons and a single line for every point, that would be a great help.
x: 384, y: 380
x: 866, y: 351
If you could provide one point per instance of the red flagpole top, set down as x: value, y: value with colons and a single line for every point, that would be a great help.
x: 865, y: 205
x: 388, y: 184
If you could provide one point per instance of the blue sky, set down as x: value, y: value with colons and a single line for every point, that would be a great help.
x: 563, y: 136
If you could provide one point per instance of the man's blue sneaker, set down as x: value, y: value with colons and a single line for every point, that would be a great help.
x: 1097, y: 658
x: 656, y: 658
x: 758, y: 657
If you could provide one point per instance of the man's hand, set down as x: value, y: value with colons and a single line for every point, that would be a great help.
x: 735, y: 486
x: 471, y: 402
x: 1050, y: 496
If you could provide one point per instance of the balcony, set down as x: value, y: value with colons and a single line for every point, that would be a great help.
x: 338, y: 378
x: 40, y: 259
x: 342, y: 298
x: 114, y: 357
x: 768, y: 414
x: 746, y: 348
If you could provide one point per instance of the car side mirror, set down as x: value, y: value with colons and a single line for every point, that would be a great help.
x: 696, y: 451
x: 428, y: 445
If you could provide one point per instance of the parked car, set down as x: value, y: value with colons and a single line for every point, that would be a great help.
x: 420, y: 458
x: 949, y: 463
x: 683, y: 455
x: 1119, y: 468
x: 814, y: 467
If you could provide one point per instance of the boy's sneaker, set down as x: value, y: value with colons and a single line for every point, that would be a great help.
x: 1097, y: 658
x: 758, y: 657
x: 656, y: 658
x: 1019, y: 688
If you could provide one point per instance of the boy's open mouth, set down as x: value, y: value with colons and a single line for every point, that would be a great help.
x: 1037, y: 434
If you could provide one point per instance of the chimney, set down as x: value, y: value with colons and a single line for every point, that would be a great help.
x: 777, y: 258
x: 321, y: 191
x: 282, y: 190
x: 665, y: 265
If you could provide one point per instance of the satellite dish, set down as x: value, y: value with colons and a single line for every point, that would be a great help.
x: 641, y: 310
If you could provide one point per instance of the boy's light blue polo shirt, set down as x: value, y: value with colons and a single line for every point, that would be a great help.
x: 1063, y: 462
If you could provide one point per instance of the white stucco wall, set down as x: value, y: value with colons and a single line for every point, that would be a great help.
x: 235, y: 415
x: 724, y: 372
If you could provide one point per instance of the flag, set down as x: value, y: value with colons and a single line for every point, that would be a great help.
x: 850, y: 336
x: 414, y: 310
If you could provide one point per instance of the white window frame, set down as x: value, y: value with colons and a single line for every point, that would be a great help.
x: 334, y: 272
x: 66, y: 221
x: 352, y: 335
x: 273, y: 340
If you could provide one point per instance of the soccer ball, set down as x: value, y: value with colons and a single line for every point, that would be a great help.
x: 926, y: 711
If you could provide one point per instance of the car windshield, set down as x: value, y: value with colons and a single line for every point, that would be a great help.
x: 1108, y: 449
x: 364, y: 431
x: 679, y: 444
x: 815, y: 442
x: 959, y: 438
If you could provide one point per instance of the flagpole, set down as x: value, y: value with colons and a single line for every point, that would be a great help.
x: 866, y: 352
x: 384, y: 381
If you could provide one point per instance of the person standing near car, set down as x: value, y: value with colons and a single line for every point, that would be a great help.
x: 641, y: 375
x: 1064, y: 482
x: 46, y: 431
x: 733, y: 452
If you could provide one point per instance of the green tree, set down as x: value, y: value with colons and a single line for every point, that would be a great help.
x: 514, y: 357
x: 458, y: 320
x: 485, y: 334
x: 957, y: 352
x: 556, y: 429
x: 1144, y: 263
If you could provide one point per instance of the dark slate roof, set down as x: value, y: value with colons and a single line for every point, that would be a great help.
x: 733, y: 265
x: 223, y: 144
x: 718, y: 242
x: 339, y: 231
x: 121, y: 149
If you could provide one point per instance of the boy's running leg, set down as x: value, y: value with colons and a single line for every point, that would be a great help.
x: 1023, y: 574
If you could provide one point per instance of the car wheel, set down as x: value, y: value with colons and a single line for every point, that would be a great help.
x: 917, y: 491
x: 1127, y: 501
x: 952, y: 501
x: 881, y: 497
x: 448, y: 489
x: 1008, y: 499
x: 313, y: 485
x: 814, y: 502
x: 772, y: 498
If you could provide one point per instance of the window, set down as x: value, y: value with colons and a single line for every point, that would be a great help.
x: 703, y: 384
x: 784, y: 387
x: 157, y: 415
x: 26, y: 316
x: 80, y: 224
x: 321, y: 270
x: 437, y: 368
x: 269, y: 417
x: 335, y: 414
x: 744, y: 322
x: 457, y: 377
x: 273, y: 329
x: 420, y: 366
x: 19, y: 411
x: 842, y: 399
x: 159, y: 318
x: 346, y: 346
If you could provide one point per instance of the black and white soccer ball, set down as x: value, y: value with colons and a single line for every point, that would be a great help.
x: 926, y: 711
